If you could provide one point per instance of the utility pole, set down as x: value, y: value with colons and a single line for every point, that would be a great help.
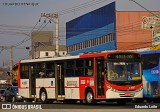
x: 55, y: 18
x: 57, y: 34
x: 11, y: 58
x: 11, y: 63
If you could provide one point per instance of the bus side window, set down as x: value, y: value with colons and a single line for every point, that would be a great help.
x: 41, y: 74
x: 70, y: 66
x: 24, y: 72
x: 89, y: 71
x: 89, y: 67
x: 50, y: 70
x: 79, y: 70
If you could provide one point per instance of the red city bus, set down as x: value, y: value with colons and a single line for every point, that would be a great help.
x: 107, y: 76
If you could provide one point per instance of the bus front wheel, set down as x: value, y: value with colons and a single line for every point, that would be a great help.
x: 89, y: 97
x: 43, y: 96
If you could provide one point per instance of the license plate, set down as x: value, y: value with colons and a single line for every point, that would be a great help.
x: 127, y: 94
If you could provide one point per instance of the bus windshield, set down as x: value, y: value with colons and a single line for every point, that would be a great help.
x: 124, y: 71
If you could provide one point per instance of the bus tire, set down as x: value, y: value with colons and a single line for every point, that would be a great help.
x: 89, y: 97
x: 43, y: 96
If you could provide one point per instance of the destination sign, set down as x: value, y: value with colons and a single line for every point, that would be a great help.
x: 123, y: 56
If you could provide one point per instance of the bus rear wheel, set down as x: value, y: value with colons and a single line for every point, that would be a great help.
x: 43, y: 96
x: 89, y: 97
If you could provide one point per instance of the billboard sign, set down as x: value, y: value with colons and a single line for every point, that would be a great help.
x: 157, y: 47
x: 150, y: 22
x: 156, y: 40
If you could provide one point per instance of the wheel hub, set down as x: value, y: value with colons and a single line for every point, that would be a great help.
x: 43, y: 96
x: 89, y: 97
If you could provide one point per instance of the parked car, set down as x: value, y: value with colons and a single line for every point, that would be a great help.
x: 11, y: 94
x: 2, y: 89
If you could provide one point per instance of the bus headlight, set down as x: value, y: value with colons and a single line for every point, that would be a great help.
x: 139, y: 89
x: 114, y: 90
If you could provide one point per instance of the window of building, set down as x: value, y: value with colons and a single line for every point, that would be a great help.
x: 72, y: 48
x: 103, y: 39
x: 97, y: 41
x: 109, y: 38
x: 85, y: 44
x: 92, y: 42
x: 106, y: 39
x: 80, y: 45
x: 100, y: 40
x: 77, y: 46
x: 46, y: 53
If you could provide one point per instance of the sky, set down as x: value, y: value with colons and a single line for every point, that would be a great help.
x: 18, y: 18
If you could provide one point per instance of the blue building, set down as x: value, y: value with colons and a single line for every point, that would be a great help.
x: 94, y: 31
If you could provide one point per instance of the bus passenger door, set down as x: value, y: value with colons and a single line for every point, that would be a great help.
x: 100, y: 77
x: 32, y: 81
x: 60, y: 94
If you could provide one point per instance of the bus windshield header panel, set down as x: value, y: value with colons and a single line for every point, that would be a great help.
x: 123, y: 56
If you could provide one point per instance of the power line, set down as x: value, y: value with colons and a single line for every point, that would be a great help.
x: 144, y: 8
x: 80, y: 7
x: 19, y: 43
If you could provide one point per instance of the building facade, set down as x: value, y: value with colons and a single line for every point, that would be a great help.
x: 107, y: 29
x: 94, y: 31
x: 42, y: 45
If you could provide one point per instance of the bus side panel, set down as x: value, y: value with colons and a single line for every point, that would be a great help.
x: 24, y: 89
x: 48, y: 84
x: 19, y: 78
x: 85, y: 82
x: 72, y: 88
x: 146, y: 87
x: 39, y: 85
x: 151, y: 82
